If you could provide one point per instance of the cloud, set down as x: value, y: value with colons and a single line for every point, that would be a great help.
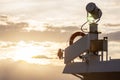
x: 13, y: 27
x: 3, y: 18
x: 55, y: 11
x: 33, y: 36
x: 10, y: 25
x: 21, y: 70
x: 112, y: 25
x: 113, y: 36
x: 16, y: 31
x: 7, y: 44
x: 114, y: 50
x: 62, y: 28
x: 41, y: 57
x: 32, y: 51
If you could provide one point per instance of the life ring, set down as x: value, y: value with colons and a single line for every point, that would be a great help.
x: 74, y: 35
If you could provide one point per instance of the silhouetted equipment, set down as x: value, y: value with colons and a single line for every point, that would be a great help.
x: 98, y: 45
x: 93, y: 12
x: 93, y: 63
x: 60, y: 54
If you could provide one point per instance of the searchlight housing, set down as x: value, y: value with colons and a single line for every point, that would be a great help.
x: 93, y: 13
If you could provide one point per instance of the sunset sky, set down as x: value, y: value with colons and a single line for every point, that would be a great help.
x: 33, y: 30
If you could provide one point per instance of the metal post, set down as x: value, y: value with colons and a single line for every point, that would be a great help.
x: 106, y: 38
x: 102, y: 56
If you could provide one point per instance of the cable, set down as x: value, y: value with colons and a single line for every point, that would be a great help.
x: 82, y: 27
x: 97, y: 20
x: 86, y: 23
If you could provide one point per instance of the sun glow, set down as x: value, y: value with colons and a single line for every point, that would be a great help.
x: 31, y: 51
x: 25, y: 51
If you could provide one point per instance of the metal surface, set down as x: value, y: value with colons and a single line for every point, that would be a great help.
x: 98, y: 45
x: 94, y: 10
x: 73, y: 51
x: 97, y: 67
x: 90, y: 49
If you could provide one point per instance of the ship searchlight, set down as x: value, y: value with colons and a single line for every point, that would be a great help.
x: 93, y: 13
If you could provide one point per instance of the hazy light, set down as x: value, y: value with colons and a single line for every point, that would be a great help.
x: 90, y: 18
x: 35, y: 25
x: 25, y: 51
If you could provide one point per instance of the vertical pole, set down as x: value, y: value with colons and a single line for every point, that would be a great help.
x: 107, y: 56
x: 106, y: 38
x: 93, y: 28
x: 93, y: 31
x: 102, y: 56
x: 93, y: 35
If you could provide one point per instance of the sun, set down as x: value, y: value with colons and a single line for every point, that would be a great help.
x: 25, y: 51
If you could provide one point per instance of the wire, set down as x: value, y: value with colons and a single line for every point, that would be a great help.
x: 86, y: 23
x: 83, y: 26
x: 97, y: 20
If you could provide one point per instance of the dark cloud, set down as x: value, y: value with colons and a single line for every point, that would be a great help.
x: 3, y: 18
x: 41, y: 57
x: 13, y: 27
x: 112, y: 25
x: 12, y: 31
x: 16, y: 32
x: 33, y: 35
x: 10, y: 25
x: 114, y: 36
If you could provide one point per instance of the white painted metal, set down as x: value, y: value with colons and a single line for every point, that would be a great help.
x: 92, y: 62
x: 82, y: 67
x: 80, y: 46
x: 77, y: 48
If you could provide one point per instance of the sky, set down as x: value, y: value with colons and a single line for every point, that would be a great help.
x: 33, y: 31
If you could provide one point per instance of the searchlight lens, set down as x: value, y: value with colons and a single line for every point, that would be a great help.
x: 93, y: 12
